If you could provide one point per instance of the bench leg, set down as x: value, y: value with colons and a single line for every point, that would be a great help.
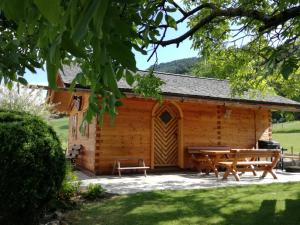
x: 269, y: 170
x: 235, y: 175
x: 253, y: 170
x: 145, y: 173
x: 273, y: 173
x: 227, y: 172
x: 119, y: 166
x: 216, y: 172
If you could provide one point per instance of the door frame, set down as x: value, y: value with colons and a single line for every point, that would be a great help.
x: 180, y: 133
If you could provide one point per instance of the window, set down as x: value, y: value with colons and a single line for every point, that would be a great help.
x: 165, y: 117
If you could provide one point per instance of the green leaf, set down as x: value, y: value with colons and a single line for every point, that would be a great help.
x: 137, y: 48
x: 9, y: 85
x: 171, y: 21
x: 119, y: 74
x: 49, y: 9
x: 84, y: 18
x: 71, y: 47
x: 51, y: 74
x: 14, y: 9
x: 129, y: 77
x: 118, y: 103
x: 158, y: 18
x: 288, y: 67
x: 22, y: 80
x: 78, y: 78
x: 170, y: 9
x: 121, y: 52
x: 99, y: 17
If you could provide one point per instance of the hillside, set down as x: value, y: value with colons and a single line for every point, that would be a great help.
x: 288, y: 134
x: 181, y: 66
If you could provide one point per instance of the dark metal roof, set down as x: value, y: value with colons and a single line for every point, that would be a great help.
x: 194, y: 87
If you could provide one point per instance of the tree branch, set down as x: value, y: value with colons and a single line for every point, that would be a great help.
x: 268, y: 22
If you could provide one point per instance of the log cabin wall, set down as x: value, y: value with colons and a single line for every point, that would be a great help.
x: 86, y: 158
x: 202, y: 125
x: 127, y: 137
x: 216, y: 125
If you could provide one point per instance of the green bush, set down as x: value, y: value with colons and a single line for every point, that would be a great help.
x: 70, y: 185
x: 32, y: 166
x: 94, y: 191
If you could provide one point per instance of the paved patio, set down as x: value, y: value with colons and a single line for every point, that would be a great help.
x: 176, y: 181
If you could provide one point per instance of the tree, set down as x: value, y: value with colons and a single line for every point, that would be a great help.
x: 26, y: 100
x: 245, y: 71
x: 181, y: 66
x: 100, y: 37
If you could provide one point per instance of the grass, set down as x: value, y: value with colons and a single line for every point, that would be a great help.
x: 287, y: 127
x: 61, y: 127
x: 276, y: 204
x: 288, y: 135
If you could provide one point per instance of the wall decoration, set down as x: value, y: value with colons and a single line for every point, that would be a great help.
x: 84, y: 126
x: 77, y: 102
x: 74, y: 120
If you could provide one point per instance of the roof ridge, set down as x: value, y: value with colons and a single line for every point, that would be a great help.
x: 185, y: 75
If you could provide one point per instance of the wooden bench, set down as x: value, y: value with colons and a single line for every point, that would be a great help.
x: 74, y: 153
x: 247, y: 160
x: 205, y: 158
x: 139, y: 166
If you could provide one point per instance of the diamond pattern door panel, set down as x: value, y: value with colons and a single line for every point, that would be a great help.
x: 165, y: 137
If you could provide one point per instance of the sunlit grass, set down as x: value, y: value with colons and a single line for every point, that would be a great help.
x: 276, y: 204
x: 287, y: 127
x: 61, y: 128
x: 288, y: 135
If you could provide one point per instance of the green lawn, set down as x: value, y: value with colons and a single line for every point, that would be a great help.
x: 287, y: 127
x: 288, y: 134
x: 276, y: 204
x: 61, y: 127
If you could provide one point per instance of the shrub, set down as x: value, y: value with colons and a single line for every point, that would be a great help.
x: 24, y: 99
x: 32, y: 166
x: 94, y: 191
x: 70, y: 185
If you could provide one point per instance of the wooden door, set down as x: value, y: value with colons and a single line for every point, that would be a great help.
x: 166, y: 136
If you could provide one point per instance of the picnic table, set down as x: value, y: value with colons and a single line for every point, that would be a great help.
x: 206, y: 158
x: 139, y: 164
x: 235, y: 160
x: 250, y: 160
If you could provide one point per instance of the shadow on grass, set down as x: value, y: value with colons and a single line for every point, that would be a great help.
x: 286, y: 131
x: 256, y: 205
x: 64, y: 127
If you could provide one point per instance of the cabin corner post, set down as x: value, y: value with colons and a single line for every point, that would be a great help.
x: 152, y: 144
x: 255, y: 129
x: 97, y: 146
x: 270, y: 125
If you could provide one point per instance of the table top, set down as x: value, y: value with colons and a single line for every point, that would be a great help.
x: 209, y: 152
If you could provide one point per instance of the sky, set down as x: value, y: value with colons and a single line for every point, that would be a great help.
x: 165, y: 54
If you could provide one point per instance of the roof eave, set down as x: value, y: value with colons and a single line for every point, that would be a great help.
x: 273, y: 105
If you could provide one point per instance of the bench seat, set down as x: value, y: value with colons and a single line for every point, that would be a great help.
x: 247, y: 163
x: 139, y: 165
x: 134, y: 168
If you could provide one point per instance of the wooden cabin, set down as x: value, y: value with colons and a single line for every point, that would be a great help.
x: 194, y: 112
